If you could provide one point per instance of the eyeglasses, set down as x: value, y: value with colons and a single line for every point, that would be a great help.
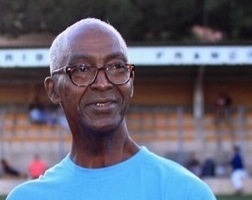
x: 84, y: 75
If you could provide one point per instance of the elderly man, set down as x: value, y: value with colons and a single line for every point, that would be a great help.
x: 93, y: 82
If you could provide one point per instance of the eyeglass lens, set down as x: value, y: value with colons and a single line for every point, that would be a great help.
x: 85, y: 75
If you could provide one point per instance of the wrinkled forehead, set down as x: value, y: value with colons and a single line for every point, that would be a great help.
x: 96, y: 37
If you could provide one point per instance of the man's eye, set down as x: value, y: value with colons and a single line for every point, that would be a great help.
x: 117, y: 66
x: 84, y: 68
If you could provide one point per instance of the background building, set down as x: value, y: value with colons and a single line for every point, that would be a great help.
x: 173, y: 109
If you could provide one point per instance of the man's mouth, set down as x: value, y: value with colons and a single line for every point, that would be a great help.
x: 102, y: 104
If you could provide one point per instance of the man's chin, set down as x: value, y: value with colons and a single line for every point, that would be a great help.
x: 103, y: 129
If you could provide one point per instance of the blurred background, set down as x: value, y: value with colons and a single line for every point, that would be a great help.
x: 193, y: 85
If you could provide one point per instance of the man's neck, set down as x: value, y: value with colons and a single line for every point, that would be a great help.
x: 104, y: 151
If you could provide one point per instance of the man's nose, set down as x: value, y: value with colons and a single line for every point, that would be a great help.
x: 101, y: 80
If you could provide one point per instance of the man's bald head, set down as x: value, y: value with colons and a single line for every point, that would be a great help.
x: 61, y: 46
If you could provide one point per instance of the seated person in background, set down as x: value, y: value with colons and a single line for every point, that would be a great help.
x: 36, y: 168
x: 37, y: 113
x: 8, y: 170
x: 193, y: 164
x: 208, y: 168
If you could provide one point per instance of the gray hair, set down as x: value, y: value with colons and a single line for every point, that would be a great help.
x: 60, y: 48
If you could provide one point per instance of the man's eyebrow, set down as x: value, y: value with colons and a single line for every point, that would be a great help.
x: 116, y: 55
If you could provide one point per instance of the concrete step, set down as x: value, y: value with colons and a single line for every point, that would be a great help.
x: 223, y: 186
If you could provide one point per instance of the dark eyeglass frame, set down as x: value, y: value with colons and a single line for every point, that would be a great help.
x: 69, y: 69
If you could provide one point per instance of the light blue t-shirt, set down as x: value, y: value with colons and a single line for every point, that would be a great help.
x: 145, y: 176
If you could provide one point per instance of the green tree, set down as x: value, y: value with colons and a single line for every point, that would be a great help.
x: 138, y: 20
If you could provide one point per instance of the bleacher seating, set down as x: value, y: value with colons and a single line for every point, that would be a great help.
x: 16, y: 127
x: 162, y: 126
x: 153, y: 123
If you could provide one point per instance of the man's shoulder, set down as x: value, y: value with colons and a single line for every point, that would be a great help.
x: 52, y: 177
x: 26, y: 189
x: 170, y: 169
x: 161, y: 163
x: 174, y: 177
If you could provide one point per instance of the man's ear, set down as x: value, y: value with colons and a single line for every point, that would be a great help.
x: 49, y: 85
x: 132, y: 90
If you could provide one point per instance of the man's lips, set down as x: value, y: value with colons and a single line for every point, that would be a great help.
x: 102, y: 104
